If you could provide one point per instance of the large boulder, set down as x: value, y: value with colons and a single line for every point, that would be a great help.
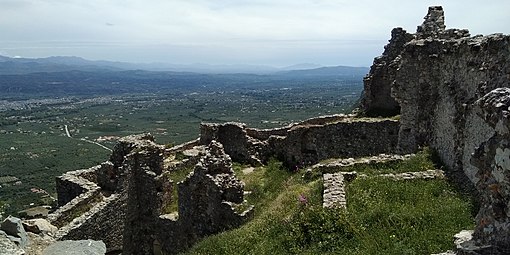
x: 9, y: 247
x: 13, y: 227
x: 38, y: 226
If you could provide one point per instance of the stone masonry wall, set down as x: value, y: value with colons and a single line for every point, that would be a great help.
x: 492, y: 158
x: 436, y: 105
x: 440, y: 75
x: 376, y: 99
x: 208, y: 198
x: 307, y: 145
x: 308, y: 142
x: 103, y: 222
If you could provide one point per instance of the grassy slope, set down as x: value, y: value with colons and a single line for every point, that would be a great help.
x: 383, y: 216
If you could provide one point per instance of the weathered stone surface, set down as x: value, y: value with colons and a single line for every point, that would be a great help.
x: 13, y: 226
x: 307, y: 145
x: 82, y: 247
x: 307, y: 142
x: 38, y: 226
x: 336, y: 165
x: 433, y: 24
x: 140, y: 184
x: 441, y: 73
x: 38, y: 242
x: 334, y: 191
x: 424, y: 175
x: 492, y: 158
x: 233, y: 137
x: 437, y: 105
x: 7, y: 246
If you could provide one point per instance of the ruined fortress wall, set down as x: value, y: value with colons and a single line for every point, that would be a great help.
x: 437, y: 104
x: 102, y: 222
x: 376, y: 99
x: 74, y: 183
x: 307, y: 142
x: 305, y: 145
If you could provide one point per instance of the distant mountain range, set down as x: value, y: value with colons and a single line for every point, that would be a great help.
x: 61, y: 64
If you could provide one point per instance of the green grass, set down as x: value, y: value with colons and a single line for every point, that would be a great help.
x: 176, y: 177
x: 406, y: 217
x: 382, y: 216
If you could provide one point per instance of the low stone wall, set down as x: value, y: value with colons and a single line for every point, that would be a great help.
x: 104, y: 221
x: 76, y: 207
x: 71, y: 184
x: 306, y: 145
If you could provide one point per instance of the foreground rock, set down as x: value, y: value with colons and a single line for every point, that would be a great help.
x: 13, y: 227
x: 39, y: 226
x: 82, y: 247
x: 7, y: 246
x: 492, y: 158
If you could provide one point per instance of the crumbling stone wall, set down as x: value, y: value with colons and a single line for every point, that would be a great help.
x: 439, y: 76
x: 233, y: 136
x: 376, y: 99
x: 123, y: 207
x: 71, y: 185
x: 454, y: 71
x: 119, y: 197
x: 141, y: 185
x: 104, y: 221
x: 307, y: 142
x: 306, y: 145
x: 208, y: 198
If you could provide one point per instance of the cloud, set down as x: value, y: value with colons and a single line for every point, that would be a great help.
x: 234, y: 30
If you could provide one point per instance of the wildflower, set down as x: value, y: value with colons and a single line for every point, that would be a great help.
x: 302, y: 199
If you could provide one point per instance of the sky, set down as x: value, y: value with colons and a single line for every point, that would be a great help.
x: 256, y: 32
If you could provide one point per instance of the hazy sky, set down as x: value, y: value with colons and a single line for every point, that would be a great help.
x: 272, y: 32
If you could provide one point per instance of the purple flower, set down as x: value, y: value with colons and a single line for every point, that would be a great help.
x: 302, y: 199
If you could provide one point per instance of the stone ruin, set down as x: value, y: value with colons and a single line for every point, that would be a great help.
x: 449, y: 88
x: 445, y: 84
x: 307, y: 142
x: 122, y: 200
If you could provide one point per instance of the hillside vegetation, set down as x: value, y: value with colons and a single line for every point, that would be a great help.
x: 383, y: 216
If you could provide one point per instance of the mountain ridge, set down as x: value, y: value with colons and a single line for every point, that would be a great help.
x: 16, y: 65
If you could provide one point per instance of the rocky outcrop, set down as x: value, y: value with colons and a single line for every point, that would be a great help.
x: 7, y: 246
x: 19, y: 237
